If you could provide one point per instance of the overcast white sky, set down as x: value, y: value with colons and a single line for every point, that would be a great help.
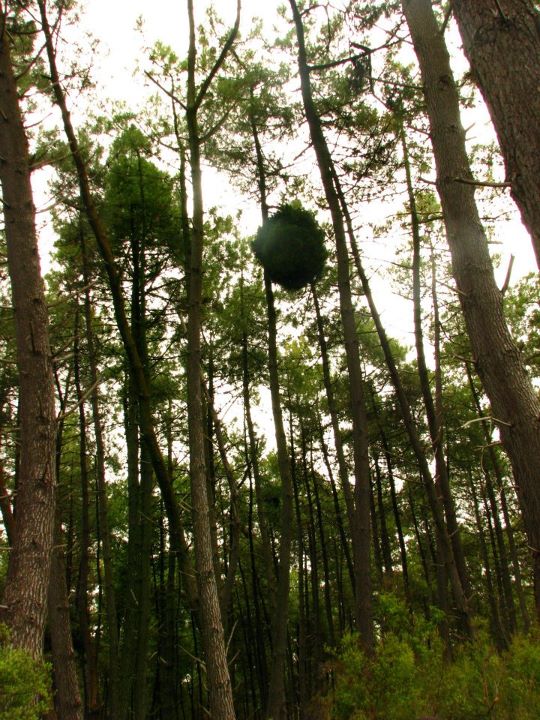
x: 114, y: 23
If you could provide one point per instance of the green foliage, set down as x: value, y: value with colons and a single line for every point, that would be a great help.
x: 25, y: 692
x: 290, y: 247
x: 383, y: 687
x: 409, y: 678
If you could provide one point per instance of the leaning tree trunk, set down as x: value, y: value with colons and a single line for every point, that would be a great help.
x: 502, y: 42
x: 363, y: 599
x: 433, y: 413
x: 515, y: 405
x: 24, y: 604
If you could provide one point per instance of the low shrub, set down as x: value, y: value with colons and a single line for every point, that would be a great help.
x: 409, y: 679
x: 24, y: 684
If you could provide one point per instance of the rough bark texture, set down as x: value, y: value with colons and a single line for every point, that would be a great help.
x: 220, y: 696
x: 25, y: 598
x: 515, y: 406
x: 502, y: 42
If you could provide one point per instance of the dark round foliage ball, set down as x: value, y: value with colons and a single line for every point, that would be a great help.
x: 290, y: 247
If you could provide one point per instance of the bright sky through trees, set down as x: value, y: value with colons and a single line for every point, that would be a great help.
x: 124, y: 28
x: 275, y: 490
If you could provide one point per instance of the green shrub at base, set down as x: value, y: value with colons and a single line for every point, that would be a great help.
x: 408, y: 679
x: 24, y: 684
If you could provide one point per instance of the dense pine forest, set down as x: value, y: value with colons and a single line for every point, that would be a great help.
x: 270, y: 361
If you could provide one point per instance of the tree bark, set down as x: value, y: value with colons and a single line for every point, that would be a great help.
x: 515, y: 406
x: 363, y: 594
x: 218, y: 678
x: 24, y: 603
x: 502, y: 43
x: 276, y: 694
x: 275, y: 708
x: 67, y: 697
x: 433, y: 413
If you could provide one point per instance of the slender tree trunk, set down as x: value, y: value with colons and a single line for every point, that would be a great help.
x: 6, y: 507
x: 275, y: 709
x: 502, y: 42
x: 218, y: 678
x: 385, y: 539
x: 495, y: 465
x: 325, y: 558
x: 515, y: 405
x: 303, y: 693
x: 314, y: 575
x: 344, y: 540
x: 261, y: 622
x: 226, y: 594
x: 434, y: 417
x: 276, y: 695
x: 89, y: 657
x: 338, y: 442
x: 446, y: 564
x: 268, y: 562
x: 24, y: 604
x: 496, y: 627
x: 363, y: 594
x: 395, y: 506
x: 102, y: 509
x: 67, y: 697
x: 375, y: 538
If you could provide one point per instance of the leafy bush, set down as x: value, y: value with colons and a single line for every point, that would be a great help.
x: 408, y: 677
x: 24, y: 684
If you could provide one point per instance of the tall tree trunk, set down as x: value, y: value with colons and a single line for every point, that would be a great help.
x: 268, y: 562
x: 433, y: 414
x: 386, y: 550
x: 446, y: 563
x: 496, y: 627
x: 495, y: 465
x: 324, y: 552
x: 502, y: 42
x: 363, y: 594
x: 275, y: 708
x: 67, y: 697
x: 24, y: 602
x: 276, y: 694
x: 395, y: 506
x: 218, y: 678
x: 499, y: 363
x: 89, y: 657
x: 344, y: 539
x: 343, y: 470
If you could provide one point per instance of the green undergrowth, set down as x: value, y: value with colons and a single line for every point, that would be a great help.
x: 24, y: 683
x: 409, y: 679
